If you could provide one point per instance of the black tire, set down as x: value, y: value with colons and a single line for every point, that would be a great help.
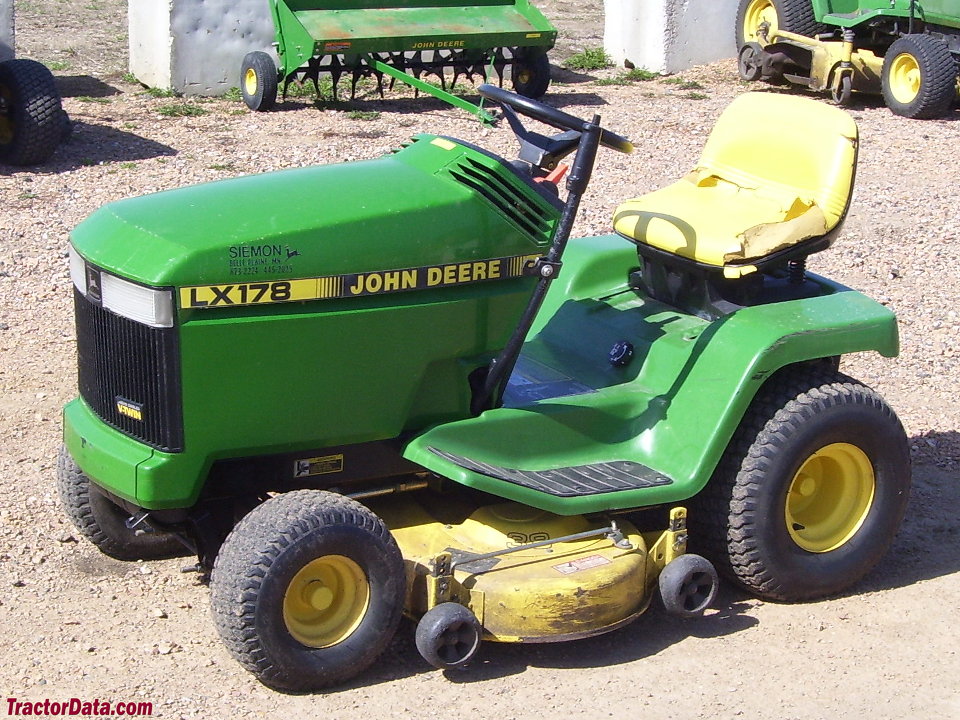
x: 842, y: 93
x: 844, y: 437
x: 259, y: 81
x: 919, y: 78
x: 448, y: 635
x: 31, y: 117
x: 104, y: 523
x: 276, y: 553
x: 794, y: 16
x: 530, y: 73
x: 688, y: 585
x: 749, y: 65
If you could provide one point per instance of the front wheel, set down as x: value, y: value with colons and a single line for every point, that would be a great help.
x: 759, y: 20
x: 811, y: 490
x: 104, y: 523
x: 307, y: 590
x: 919, y: 77
x: 31, y: 117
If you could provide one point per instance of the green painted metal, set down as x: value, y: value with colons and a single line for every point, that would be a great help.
x: 673, y: 408
x: 854, y: 13
x: 426, y: 87
x: 312, y: 221
x: 307, y: 29
x: 284, y: 377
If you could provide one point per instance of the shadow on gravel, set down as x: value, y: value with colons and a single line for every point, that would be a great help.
x: 83, y: 86
x: 90, y: 144
x: 651, y: 633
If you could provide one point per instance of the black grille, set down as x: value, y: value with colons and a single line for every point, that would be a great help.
x: 129, y: 374
x: 511, y: 202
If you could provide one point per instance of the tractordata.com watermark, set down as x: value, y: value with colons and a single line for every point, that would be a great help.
x: 75, y: 707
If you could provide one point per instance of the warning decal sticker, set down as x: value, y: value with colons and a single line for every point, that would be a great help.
x: 592, y: 561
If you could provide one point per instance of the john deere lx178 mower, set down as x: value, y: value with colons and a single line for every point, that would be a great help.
x: 907, y: 49
x: 408, y: 392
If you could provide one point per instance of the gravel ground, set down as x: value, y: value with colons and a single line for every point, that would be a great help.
x: 78, y: 624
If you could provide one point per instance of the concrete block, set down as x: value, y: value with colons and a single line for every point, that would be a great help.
x: 668, y: 36
x: 196, y: 46
x: 6, y: 30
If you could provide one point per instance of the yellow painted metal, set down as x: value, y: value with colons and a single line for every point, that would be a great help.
x: 325, y: 601
x: 250, y: 81
x: 829, y: 497
x: 560, y: 591
x: 757, y: 13
x: 905, y: 78
x: 665, y: 547
x: 753, y: 193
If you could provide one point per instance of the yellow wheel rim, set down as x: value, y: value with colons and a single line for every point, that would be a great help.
x: 250, y: 82
x: 326, y: 601
x: 829, y: 497
x: 757, y: 13
x: 905, y: 78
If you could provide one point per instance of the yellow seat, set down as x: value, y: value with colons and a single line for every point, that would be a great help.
x: 776, y: 170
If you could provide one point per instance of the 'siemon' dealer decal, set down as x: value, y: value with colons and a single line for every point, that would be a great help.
x: 354, y: 284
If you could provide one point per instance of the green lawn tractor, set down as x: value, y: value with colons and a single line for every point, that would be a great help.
x: 406, y: 40
x: 410, y: 392
x: 907, y: 49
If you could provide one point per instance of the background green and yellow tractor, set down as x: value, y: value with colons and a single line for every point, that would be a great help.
x: 908, y: 50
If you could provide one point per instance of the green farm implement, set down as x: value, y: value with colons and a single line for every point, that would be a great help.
x: 406, y: 40
x: 908, y: 50
x: 410, y: 392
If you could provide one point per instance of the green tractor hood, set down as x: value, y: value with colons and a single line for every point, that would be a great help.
x: 432, y: 202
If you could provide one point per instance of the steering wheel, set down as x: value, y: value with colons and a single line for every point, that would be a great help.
x: 551, y: 116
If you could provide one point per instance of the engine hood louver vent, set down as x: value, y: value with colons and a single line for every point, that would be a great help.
x: 527, y: 215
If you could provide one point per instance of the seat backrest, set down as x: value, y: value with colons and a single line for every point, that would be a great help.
x: 789, y: 145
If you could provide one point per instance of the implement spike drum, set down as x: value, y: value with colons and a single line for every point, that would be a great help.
x: 423, y: 38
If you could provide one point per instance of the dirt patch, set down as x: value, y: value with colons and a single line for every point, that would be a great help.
x: 78, y: 625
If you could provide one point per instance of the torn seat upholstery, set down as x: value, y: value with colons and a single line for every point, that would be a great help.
x: 777, y: 172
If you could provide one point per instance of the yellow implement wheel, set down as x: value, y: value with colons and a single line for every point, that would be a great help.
x: 830, y: 497
x: 905, y: 78
x: 756, y: 14
x: 250, y: 81
x: 326, y: 601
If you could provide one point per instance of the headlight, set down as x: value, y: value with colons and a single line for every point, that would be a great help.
x: 143, y: 304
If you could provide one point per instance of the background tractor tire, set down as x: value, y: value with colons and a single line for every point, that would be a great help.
x: 811, y: 490
x: 919, y: 78
x: 794, y: 16
x: 307, y: 590
x: 530, y: 73
x: 258, y: 81
x: 103, y: 523
x: 31, y: 117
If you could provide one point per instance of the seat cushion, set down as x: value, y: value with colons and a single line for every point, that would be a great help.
x: 716, y: 222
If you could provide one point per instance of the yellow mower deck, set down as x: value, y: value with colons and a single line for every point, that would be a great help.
x: 555, y: 591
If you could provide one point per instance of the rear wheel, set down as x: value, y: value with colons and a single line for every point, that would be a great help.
x: 31, y: 118
x: 811, y: 490
x: 919, y: 78
x: 307, y: 590
x: 258, y: 81
x: 794, y: 16
x: 104, y: 523
x: 530, y: 73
